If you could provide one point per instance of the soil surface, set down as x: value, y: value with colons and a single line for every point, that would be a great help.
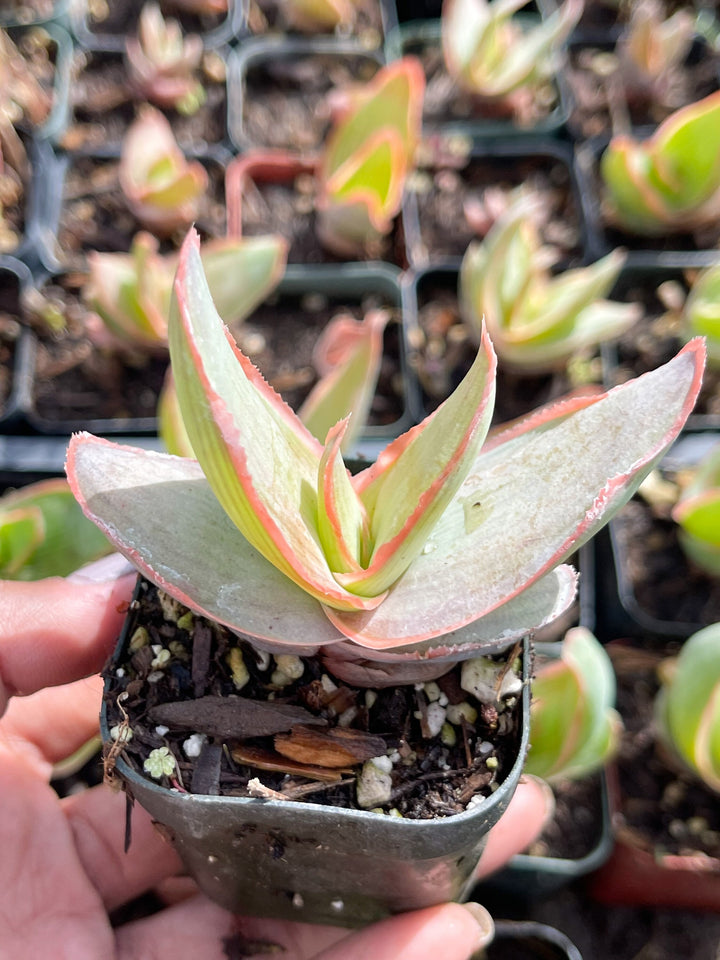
x: 10, y: 331
x: 658, y: 334
x: 443, y: 351
x: 606, y: 101
x: 95, y: 213
x: 104, y: 105
x: 458, y: 204
x: 120, y: 17
x: 77, y: 378
x: 304, y: 737
x: 285, y: 101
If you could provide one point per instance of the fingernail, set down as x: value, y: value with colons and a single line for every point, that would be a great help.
x: 484, y: 922
x: 547, y: 794
x: 112, y: 567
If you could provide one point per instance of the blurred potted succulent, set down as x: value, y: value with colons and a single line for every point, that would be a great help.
x: 342, y: 17
x: 664, y: 186
x: 361, y: 173
x: 162, y: 65
x: 43, y: 532
x: 574, y: 732
x: 490, y: 71
x: 697, y: 513
x: 678, y: 866
x: 656, y: 64
x: 537, y: 321
x: 350, y: 569
x: 162, y: 188
x: 102, y: 334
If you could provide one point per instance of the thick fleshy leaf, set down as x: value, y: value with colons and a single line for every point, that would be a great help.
x: 342, y: 521
x: 416, y: 476
x: 259, y: 459
x: 533, y: 495
x: 313, y: 16
x: 155, y: 525
x: 348, y: 354
x: 573, y: 726
x: 698, y: 514
x: 689, y: 705
x: 44, y: 534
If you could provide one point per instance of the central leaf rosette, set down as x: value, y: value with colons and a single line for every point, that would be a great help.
x: 345, y: 540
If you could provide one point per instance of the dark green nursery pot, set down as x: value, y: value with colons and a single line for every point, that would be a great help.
x: 321, y: 864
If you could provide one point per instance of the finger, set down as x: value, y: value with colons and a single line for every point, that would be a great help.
x: 529, y: 810
x: 97, y: 820
x: 52, y: 724
x: 55, y: 631
x: 199, y: 928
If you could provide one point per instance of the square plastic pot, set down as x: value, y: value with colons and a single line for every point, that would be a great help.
x: 222, y: 30
x: 320, y: 864
x: 15, y: 279
x: 261, y: 55
x: 418, y: 36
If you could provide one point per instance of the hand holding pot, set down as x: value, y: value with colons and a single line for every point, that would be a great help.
x: 63, y: 871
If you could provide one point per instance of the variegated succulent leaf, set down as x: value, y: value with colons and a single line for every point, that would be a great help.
x: 701, y: 314
x: 444, y: 532
x: 43, y: 532
x: 162, y: 64
x: 697, y: 513
x: 162, y: 189
x: 574, y: 728
x: 688, y: 705
x: 669, y: 182
x: 131, y: 292
x: 536, y: 320
x: 367, y: 157
x: 491, y: 54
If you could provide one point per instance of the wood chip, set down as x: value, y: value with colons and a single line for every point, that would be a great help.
x: 232, y: 717
x: 337, y: 747
x: 201, y: 647
x: 206, y: 771
x: 270, y: 760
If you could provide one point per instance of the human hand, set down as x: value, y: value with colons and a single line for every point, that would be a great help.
x: 63, y: 870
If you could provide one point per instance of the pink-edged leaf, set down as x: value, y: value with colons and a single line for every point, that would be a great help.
x: 348, y: 356
x: 531, y: 498
x: 414, y: 479
x: 156, y: 526
x: 258, y: 457
x: 342, y: 521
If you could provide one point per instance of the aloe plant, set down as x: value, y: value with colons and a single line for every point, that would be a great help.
x: 574, y: 728
x: 161, y: 187
x: 688, y: 705
x: 490, y: 54
x: 162, y: 65
x: 43, y: 532
x: 367, y: 157
x: 537, y: 321
x: 669, y: 182
x: 440, y: 547
x: 131, y: 292
x: 697, y: 512
x: 701, y: 313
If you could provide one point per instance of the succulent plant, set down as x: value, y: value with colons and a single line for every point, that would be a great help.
x: 201, y: 7
x: 131, y: 292
x: 367, y: 156
x: 701, y: 313
x: 347, y: 356
x: 574, y: 728
x: 43, y: 532
x: 652, y: 45
x: 670, y: 182
x: 162, y: 189
x: 441, y: 548
x: 491, y: 55
x: 162, y: 65
x: 688, y: 705
x: 697, y: 512
x: 537, y: 321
